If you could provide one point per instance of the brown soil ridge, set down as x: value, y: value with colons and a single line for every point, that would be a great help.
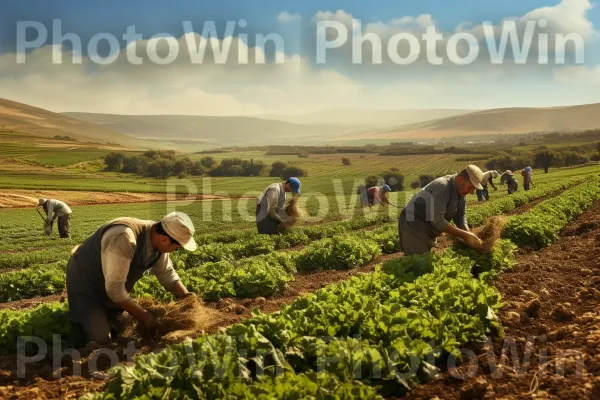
x: 551, y: 309
x: 12, y: 198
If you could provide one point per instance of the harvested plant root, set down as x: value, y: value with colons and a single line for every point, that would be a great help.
x: 293, y: 212
x: 174, y: 320
x: 491, y: 232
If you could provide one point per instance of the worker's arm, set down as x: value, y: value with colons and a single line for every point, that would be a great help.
x: 168, y: 277
x: 117, y: 250
x: 494, y: 186
x: 386, y: 200
x: 460, y: 218
x: 50, y: 210
x: 272, y: 200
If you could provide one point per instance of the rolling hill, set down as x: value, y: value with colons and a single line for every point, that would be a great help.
x: 368, y: 118
x: 221, y: 131
x: 25, y: 119
x: 501, y: 120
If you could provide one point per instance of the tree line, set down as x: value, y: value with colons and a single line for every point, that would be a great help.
x: 164, y: 164
x: 542, y: 157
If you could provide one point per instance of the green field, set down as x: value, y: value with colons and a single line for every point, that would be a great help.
x: 34, y: 167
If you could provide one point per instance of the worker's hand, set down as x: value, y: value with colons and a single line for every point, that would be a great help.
x: 148, y: 321
x: 473, y: 241
x: 188, y: 295
x: 282, y: 227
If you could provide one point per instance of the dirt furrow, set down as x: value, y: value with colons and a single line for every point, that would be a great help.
x: 551, y: 348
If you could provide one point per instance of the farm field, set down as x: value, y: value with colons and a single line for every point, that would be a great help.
x: 266, y: 201
x: 37, y: 167
x: 235, y: 264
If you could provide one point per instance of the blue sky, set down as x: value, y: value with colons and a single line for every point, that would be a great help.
x: 356, y: 86
x: 87, y: 18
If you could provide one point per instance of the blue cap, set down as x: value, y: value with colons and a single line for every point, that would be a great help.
x: 528, y: 169
x: 386, y: 188
x: 295, y: 184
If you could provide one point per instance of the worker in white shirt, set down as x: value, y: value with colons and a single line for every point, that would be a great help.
x: 56, y: 209
x: 103, y: 270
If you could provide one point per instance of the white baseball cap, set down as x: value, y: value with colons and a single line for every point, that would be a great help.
x: 180, y: 227
x: 475, y: 176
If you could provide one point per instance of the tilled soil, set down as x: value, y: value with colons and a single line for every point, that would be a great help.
x: 39, y: 382
x: 17, y: 198
x: 551, y: 319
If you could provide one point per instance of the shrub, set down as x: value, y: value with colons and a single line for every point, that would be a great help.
x: 291, y: 171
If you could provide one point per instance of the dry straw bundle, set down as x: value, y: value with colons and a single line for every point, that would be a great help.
x: 175, y: 320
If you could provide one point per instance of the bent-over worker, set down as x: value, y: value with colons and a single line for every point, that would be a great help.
x: 488, y: 177
x: 103, y: 270
x: 56, y: 209
x: 511, y: 183
x: 429, y: 212
x: 270, y: 213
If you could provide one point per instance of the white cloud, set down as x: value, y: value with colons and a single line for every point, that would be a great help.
x: 286, y: 17
x: 568, y: 18
x: 578, y: 75
x: 181, y: 87
x: 294, y: 85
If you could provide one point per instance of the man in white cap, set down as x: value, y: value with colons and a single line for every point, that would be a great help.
x: 429, y: 212
x: 511, y: 183
x: 104, y: 268
x: 488, y: 176
x: 56, y: 209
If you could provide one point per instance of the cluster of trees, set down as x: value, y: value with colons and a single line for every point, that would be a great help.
x: 305, y: 150
x: 541, y: 157
x: 157, y: 164
x: 282, y: 170
x: 163, y: 164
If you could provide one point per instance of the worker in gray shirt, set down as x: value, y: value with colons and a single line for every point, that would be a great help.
x: 429, y: 212
x: 270, y: 215
x: 56, y: 209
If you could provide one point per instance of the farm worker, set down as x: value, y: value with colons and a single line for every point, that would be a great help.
x: 269, y: 206
x: 103, y: 270
x: 429, y: 212
x: 526, y: 173
x: 488, y: 177
x: 56, y: 209
x: 378, y: 195
x: 511, y: 183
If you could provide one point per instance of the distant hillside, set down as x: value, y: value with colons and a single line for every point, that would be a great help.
x: 39, y: 122
x: 216, y: 130
x: 501, y: 120
x: 367, y: 118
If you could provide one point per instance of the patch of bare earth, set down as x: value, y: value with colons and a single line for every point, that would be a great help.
x: 12, y: 198
x: 551, y: 348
